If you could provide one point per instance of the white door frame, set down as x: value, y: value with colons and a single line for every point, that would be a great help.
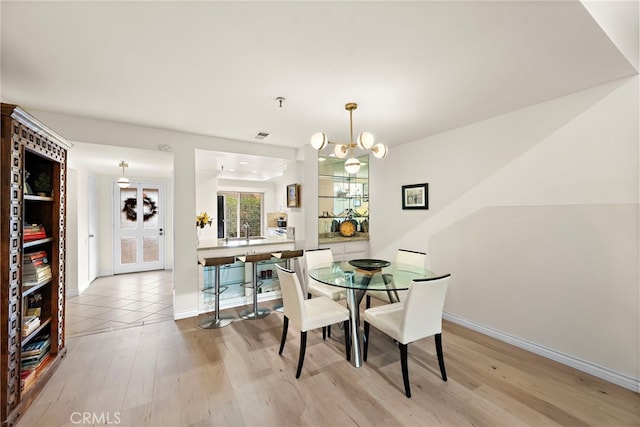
x: 92, y: 228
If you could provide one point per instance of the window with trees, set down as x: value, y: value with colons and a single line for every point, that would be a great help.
x: 240, y: 209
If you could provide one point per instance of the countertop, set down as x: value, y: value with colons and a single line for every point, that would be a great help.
x: 337, y: 238
x: 241, y: 243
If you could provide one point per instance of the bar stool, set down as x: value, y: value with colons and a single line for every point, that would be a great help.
x: 287, y: 256
x: 255, y: 312
x: 217, y: 321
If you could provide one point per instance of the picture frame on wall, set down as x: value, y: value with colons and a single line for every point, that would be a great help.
x: 293, y: 195
x: 415, y: 196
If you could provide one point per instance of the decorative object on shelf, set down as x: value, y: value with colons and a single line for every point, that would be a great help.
x: 365, y: 141
x: 293, y: 195
x: 123, y: 181
x: 348, y: 227
x: 415, y: 196
x: 27, y: 187
x: 42, y: 184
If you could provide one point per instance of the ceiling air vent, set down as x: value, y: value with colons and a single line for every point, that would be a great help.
x: 261, y: 135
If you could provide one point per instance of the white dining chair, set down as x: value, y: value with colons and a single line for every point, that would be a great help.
x: 312, y: 259
x: 308, y: 314
x: 403, y: 256
x: 420, y: 316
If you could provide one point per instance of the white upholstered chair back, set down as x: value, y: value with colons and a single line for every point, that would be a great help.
x: 313, y: 258
x: 292, y: 297
x: 423, y: 308
x: 418, y: 259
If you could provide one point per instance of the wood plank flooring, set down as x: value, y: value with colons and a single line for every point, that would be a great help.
x: 176, y: 374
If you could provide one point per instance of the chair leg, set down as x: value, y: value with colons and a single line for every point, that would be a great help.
x: 324, y: 333
x: 303, y: 347
x: 443, y: 371
x: 365, y: 350
x: 368, y: 302
x: 347, y: 339
x: 405, y: 369
x: 285, y: 327
x: 329, y: 331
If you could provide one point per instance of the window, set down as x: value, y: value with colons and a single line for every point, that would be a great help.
x: 242, y: 208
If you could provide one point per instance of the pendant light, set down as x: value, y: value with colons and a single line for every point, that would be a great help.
x: 365, y: 141
x: 123, y: 181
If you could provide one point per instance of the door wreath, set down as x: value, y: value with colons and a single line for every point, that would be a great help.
x: 130, y: 208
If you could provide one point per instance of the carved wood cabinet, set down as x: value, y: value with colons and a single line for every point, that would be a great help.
x: 33, y: 161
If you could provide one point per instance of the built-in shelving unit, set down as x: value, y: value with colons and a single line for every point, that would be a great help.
x: 32, y: 258
x: 342, y: 197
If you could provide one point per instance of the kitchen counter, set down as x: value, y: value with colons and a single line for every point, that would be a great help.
x: 242, y: 242
x: 328, y: 238
x: 236, y: 247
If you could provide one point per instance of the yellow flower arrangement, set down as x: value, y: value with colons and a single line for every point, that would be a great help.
x: 203, y: 219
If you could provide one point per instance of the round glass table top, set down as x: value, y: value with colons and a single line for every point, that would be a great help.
x: 345, y: 275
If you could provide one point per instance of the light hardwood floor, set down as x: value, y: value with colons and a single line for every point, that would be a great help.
x: 176, y: 374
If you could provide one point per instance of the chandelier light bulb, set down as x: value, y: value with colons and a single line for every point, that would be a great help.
x: 340, y: 151
x: 365, y: 140
x: 380, y: 150
x: 319, y: 141
x: 352, y: 165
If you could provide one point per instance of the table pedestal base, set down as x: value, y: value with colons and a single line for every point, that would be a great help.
x: 255, y: 314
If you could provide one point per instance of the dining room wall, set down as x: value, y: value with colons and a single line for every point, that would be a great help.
x: 535, y: 214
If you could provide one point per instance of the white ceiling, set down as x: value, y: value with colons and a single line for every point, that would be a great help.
x: 216, y: 68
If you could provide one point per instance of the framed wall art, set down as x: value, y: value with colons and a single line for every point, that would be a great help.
x: 415, y: 196
x: 293, y: 195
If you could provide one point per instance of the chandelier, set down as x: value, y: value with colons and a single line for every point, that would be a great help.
x: 365, y: 141
x: 123, y: 181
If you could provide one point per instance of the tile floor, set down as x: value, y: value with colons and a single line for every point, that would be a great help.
x: 121, y: 301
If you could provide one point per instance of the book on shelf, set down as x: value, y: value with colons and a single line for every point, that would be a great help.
x: 36, y: 311
x: 33, y: 232
x: 33, y: 365
x: 27, y: 378
x: 29, y: 324
x: 35, y: 268
x: 40, y: 345
x: 34, y: 301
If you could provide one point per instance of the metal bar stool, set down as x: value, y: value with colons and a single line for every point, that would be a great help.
x: 254, y: 312
x: 287, y: 256
x: 217, y: 321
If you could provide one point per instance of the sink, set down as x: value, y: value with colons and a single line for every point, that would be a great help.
x: 239, y: 241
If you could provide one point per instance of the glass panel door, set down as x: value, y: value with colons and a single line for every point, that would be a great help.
x: 139, y: 230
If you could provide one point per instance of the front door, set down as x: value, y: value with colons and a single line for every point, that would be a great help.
x: 138, y: 227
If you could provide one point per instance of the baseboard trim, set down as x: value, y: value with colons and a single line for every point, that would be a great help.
x: 601, y: 372
x: 72, y: 293
x: 185, y: 315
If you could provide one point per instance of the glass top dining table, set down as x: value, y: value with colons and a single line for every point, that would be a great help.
x: 359, y: 275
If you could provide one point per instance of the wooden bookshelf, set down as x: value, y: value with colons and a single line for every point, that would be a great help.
x: 33, y: 161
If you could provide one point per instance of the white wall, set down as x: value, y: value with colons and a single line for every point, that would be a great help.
x: 71, y: 268
x: 535, y: 214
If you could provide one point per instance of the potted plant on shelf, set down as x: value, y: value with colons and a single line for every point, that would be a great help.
x: 42, y: 184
